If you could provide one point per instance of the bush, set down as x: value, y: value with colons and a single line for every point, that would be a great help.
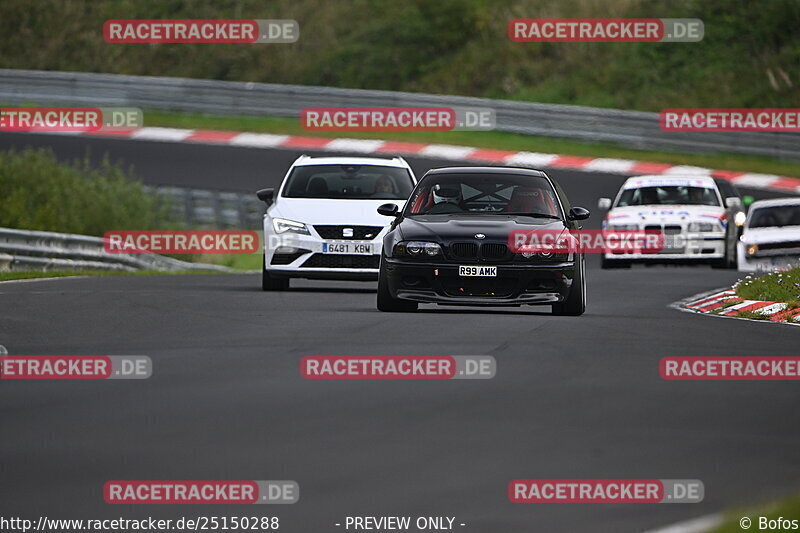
x: 39, y: 193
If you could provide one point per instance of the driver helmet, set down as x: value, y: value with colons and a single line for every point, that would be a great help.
x: 446, y: 194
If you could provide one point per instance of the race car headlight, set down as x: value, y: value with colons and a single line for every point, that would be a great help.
x: 739, y: 218
x: 281, y: 225
x: 701, y: 227
x: 752, y: 249
x: 417, y: 249
x: 623, y: 227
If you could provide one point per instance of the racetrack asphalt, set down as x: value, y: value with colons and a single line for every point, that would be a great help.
x: 573, y: 397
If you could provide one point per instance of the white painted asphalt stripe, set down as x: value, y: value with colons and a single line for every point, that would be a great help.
x: 709, y: 297
x: 605, y: 164
x: 706, y: 302
x: 757, y: 181
x: 771, y: 309
x: 161, y: 134
x: 696, y: 525
x: 742, y: 304
x: 687, y: 170
x: 363, y: 146
x: 446, y: 151
x: 531, y: 159
x: 258, y: 140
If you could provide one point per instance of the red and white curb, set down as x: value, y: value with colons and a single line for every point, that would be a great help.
x: 725, y: 303
x: 447, y: 151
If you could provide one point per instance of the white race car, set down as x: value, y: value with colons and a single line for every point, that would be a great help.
x: 323, y: 222
x: 771, y: 237
x: 688, y: 211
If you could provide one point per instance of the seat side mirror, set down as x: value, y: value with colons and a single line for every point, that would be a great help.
x: 578, y: 213
x: 266, y: 195
x: 604, y: 203
x: 388, y: 210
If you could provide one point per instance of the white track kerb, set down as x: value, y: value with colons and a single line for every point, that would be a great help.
x: 725, y: 303
x: 446, y: 151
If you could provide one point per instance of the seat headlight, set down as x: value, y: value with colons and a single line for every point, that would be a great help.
x: 281, y: 225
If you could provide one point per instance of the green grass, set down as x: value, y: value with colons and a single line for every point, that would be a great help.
x: 787, y: 508
x: 235, y: 261
x: 775, y: 287
x: 482, y: 139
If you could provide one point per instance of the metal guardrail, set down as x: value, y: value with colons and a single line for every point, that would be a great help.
x: 200, y: 208
x: 628, y: 128
x: 45, y: 250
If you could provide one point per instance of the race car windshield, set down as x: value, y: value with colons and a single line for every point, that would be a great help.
x: 668, y: 195
x: 349, y: 182
x: 484, y: 195
x: 775, y: 217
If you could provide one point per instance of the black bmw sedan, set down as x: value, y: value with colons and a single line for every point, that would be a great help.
x: 450, y: 244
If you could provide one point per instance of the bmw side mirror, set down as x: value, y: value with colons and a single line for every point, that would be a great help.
x: 578, y: 213
x: 389, y: 210
x: 604, y: 203
x: 733, y: 201
x: 266, y: 195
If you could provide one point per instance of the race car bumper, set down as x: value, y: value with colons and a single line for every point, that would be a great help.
x: 696, y: 247
x: 514, y: 285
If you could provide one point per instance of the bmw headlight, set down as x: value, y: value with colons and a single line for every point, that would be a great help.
x: 701, y: 227
x: 281, y: 225
x: 418, y: 249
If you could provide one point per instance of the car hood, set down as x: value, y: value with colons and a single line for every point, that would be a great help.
x: 765, y: 235
x: 664, y: 213
x: 496, y: 228
x: 327, y: 211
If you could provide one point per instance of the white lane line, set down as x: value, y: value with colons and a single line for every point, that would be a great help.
x: 696, y: 525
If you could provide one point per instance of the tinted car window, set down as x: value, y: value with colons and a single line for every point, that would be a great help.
x: 668, y: 195
x: 483, y: 194
x: 777, y: 216
x: 349, y: 182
